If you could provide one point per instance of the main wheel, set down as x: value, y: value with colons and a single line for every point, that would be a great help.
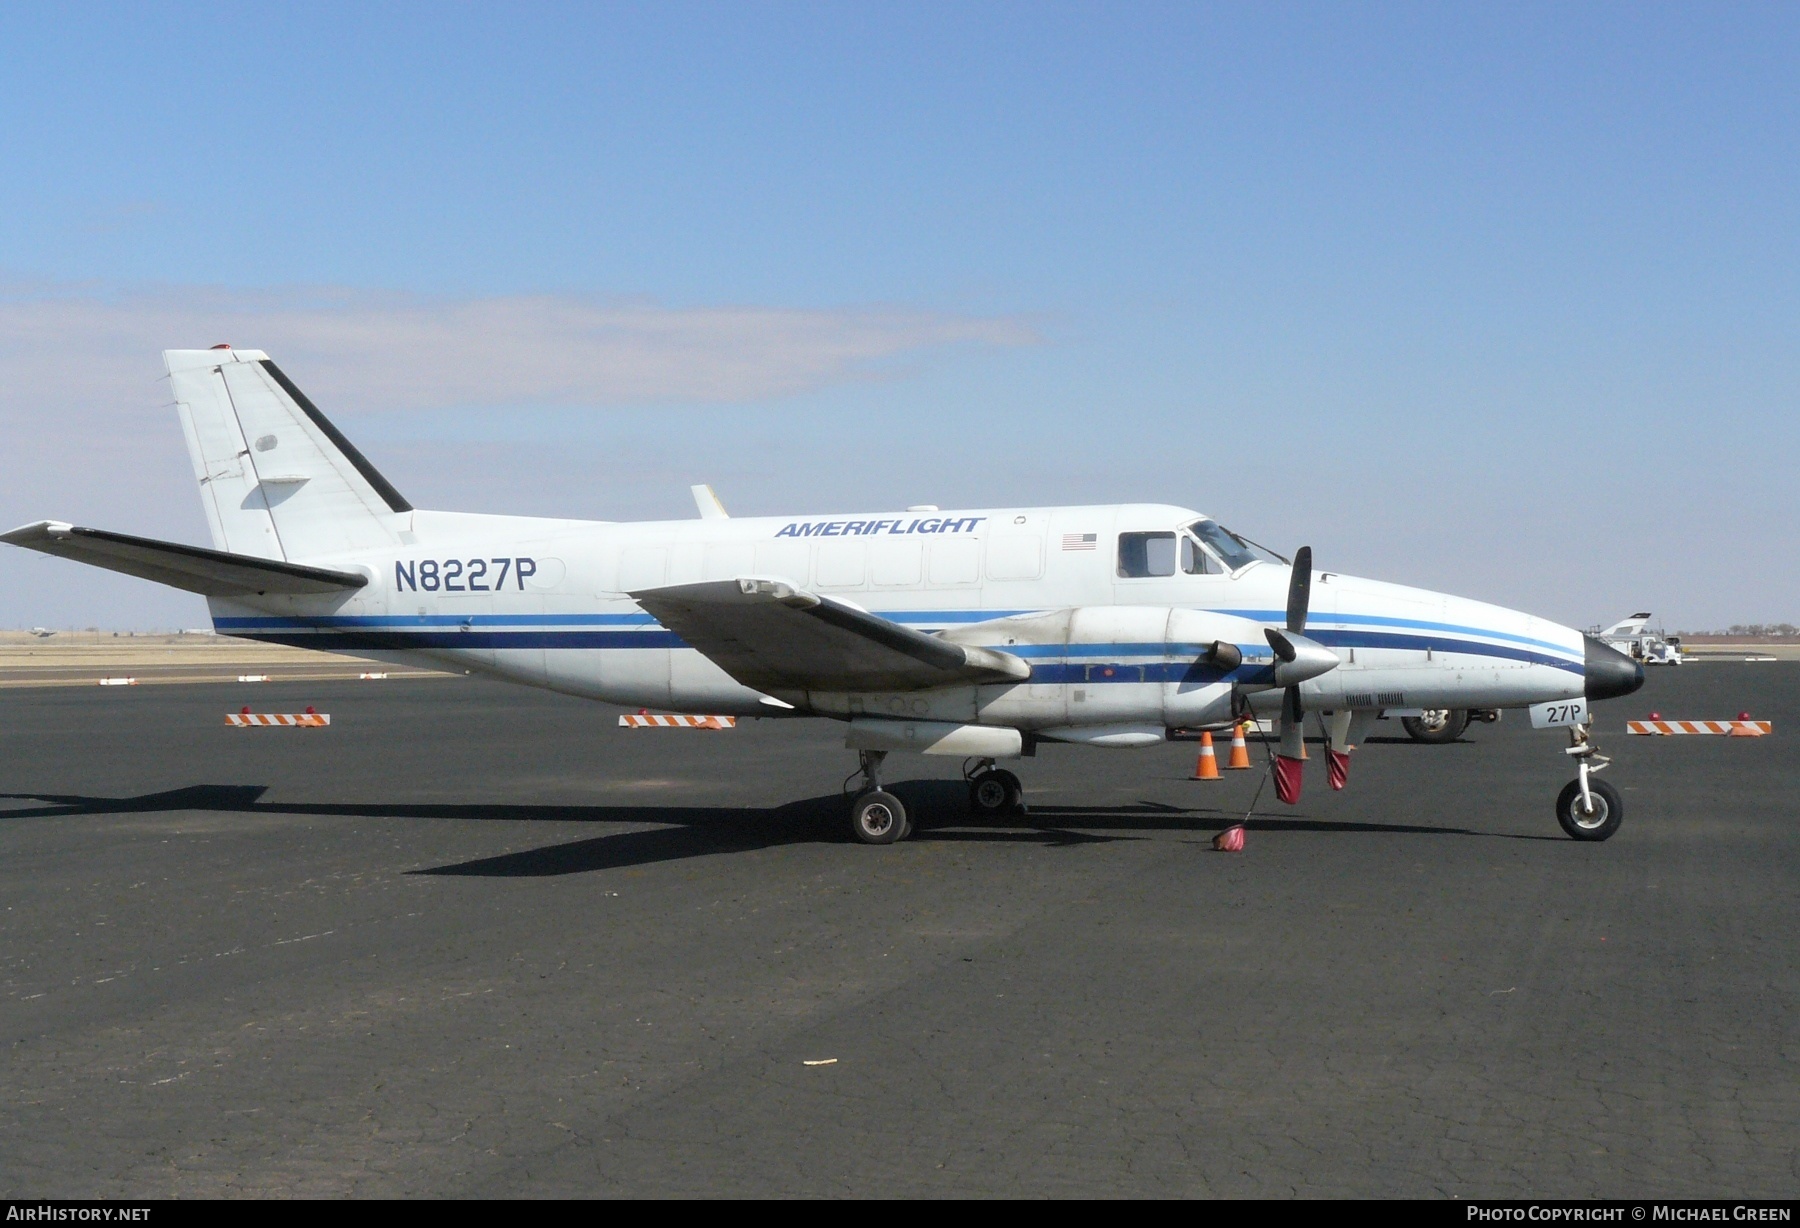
x: 1609, y: 810
x: 1437, y: 725
x: 878, y: 818
x: 994, y: 792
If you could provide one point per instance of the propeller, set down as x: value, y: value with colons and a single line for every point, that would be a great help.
x: 1296, y: 659
x: 1288, y: 650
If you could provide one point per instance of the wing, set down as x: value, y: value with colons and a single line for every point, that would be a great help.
x: 773, y: 637
x: 213, y: 573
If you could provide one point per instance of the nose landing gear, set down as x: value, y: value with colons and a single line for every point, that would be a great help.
x: 1588, y: 809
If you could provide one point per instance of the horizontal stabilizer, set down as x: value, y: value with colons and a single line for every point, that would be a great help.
x: 773, y: 637
x: 212, y: 573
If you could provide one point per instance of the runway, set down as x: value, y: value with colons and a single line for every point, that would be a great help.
x: 477, y: 941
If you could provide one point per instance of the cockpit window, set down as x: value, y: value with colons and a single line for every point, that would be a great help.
x: 1195, y: 561
x: 1236, y: 552
x: 1146, y: 554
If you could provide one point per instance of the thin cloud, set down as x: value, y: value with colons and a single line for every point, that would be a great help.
x: 367, y: 352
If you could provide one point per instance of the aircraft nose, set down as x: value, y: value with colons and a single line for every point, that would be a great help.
x: 1610, y: 673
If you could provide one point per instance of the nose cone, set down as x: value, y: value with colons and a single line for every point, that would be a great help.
x: 1610, y: 673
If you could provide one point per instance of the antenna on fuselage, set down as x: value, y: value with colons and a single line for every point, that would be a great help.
x: 708, y: 503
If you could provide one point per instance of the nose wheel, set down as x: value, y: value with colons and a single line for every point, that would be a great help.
x: 1588, y: 809
x: 1594, y: 818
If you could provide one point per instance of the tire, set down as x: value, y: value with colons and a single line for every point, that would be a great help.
x: 994, y: 793
x: 878, y: 818
x: 1437, y: 726
x: 1609, y: 810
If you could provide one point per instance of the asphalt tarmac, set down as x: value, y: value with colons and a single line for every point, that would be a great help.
x: 472, y: 940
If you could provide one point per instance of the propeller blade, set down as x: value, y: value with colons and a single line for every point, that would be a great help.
x: 1299, y: 658
x: 1293, y: 724
x: 1299, y: 590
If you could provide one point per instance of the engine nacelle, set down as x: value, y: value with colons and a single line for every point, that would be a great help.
x: 1119, y: 665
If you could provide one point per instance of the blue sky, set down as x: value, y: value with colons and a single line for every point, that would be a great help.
x: 1497, y: 299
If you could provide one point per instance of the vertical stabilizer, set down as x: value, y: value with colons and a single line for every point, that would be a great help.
x: 277, y: 479
x: 1626, y: 628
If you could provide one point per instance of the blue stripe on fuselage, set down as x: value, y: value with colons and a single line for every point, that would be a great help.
x: 930, y: 619
x: 639, y: 630
x: 1279, y: 617
x: 1052, y: 660
x: 388, y: 641
x: 911, y: 618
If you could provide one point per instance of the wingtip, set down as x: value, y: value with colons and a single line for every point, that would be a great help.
x: 37, y: 531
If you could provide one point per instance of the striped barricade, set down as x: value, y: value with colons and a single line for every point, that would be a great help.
x: 1730, y: 729
x: 279, y: 720
x: 643, y: 720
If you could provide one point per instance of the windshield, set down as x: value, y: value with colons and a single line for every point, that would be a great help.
x: 1234, y: 551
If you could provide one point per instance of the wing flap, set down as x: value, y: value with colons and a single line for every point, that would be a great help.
x: 212, y: 573
x: 772, y: 636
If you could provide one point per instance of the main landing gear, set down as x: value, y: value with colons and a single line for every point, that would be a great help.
x: 993, y: 791
x: 1588, y: 809
x: 878, y: 817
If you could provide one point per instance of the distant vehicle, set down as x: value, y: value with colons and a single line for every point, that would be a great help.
x: 41, y: 633
x: 1629, y: 636
x: 1435, y: 726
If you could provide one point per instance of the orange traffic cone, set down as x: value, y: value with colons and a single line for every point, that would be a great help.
x: 1240, y: 750
x: 1208, y: 766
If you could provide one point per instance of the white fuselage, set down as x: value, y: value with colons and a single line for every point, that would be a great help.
x: 545, y: 603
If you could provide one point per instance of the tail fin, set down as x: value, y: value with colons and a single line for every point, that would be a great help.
x: 278, y: 481
x: 1626, y: 628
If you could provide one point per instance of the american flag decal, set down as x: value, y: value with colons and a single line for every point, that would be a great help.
x: 1080, y: 541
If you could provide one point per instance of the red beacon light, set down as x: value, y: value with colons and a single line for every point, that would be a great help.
x: 221, y: 346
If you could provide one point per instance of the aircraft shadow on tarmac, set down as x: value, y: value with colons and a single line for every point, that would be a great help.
x: 698, y: 831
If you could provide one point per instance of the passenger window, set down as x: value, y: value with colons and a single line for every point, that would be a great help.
x: 1195, y: 561
x: 1146, y: 554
